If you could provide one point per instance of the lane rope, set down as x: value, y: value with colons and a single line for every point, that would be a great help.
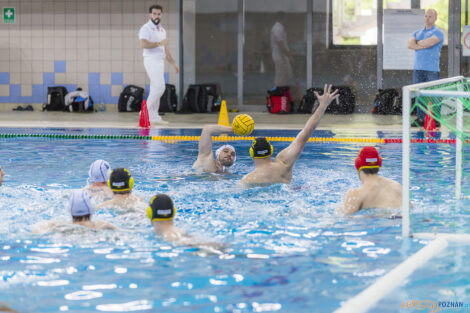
x: 173, y: 139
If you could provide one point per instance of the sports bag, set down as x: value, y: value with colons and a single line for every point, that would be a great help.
x: 130, y: 99
x: 78, y: 101
x: 55, y: 98
x: 279, y: 100
x: 309, y: 102
x: 192, y: 101
x: 169, y: 100
x: 387, y: 101
x: 210, y: 98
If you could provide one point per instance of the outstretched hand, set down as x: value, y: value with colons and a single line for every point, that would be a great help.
x: 327, y: 96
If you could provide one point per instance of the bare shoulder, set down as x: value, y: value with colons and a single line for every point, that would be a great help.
x: 205, y: 163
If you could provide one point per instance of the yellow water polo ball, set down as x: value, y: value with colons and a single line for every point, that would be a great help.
x: 243, y: 124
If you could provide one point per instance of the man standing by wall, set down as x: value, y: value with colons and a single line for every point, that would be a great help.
x: 153, y: 40
x: 280, y: 52
x: 427, y: 43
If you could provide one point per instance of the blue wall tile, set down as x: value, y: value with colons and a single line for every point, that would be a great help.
x: 93, y: 78
x: 4, y: 78
x: 59, y: 66
x: 15, y: 90
x: 48, y: 79
x: 167, y: 77
x: 105, y: 94
x: 94, y: 92
x: 116, y: 78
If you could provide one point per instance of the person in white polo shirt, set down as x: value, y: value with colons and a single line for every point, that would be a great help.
x: 153, y: 40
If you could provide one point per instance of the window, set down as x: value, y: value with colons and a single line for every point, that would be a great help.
x: 355, y: 21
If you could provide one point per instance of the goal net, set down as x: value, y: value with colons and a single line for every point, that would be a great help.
x: 435, y: 187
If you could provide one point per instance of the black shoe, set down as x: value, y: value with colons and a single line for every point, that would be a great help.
x: 18, y: 108
x: 417, y: 123
x: 29, y: 108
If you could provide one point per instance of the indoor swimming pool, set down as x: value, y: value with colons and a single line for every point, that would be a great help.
x: 286, y: 251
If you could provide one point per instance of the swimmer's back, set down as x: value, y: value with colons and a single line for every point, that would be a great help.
x: 381, y: 193
x: 272, y: 173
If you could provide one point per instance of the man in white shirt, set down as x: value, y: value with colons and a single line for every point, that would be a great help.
x: 280, y: 53
x: 153, y: 40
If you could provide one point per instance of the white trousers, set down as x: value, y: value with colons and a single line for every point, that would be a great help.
x: 155, y: 68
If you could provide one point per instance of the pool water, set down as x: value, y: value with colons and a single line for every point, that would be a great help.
x: 287, y: 250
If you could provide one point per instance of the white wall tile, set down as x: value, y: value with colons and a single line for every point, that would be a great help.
x: 4, y: 90
x: 105, y: 54
x: 116, y: 66
x: 82, y: 79
x: 105, y: 77
x: 127, y: 54
x: 59, y: 42
x: 82, y: 66
x: 105, y: 43
x: 48, y: 65
x: 15, y: 67
x: 71, y: 78
x: 59, y: 19
x: 128, y: 78
x: 60, y: 78
x: 82, y: 55
x: 4, y: 66
x: 37, y: 42
x: 116, y: 90
x: 26, y: 89
x: 15, y: 78
x: 37, y: 56
x: 116, y: 55
x: 37, y: 66
x: 59, y: 54
x: 94, y: 54
x: 37, y: 78
x: 128, y: 66
x: 93, y: 66
x: 26, y: 66
x: 70, y: 54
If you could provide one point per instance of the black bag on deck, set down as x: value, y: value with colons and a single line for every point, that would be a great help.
x: 209, y: 98
x: 345, y: 103
x: 169, y: 100
x: 387, y: 101
x: 55, y: 98
x: 192, y: 100
x: 309, y: 102
x: 130, y: 99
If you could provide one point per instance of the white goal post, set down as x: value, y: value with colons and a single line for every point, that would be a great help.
x: 413, y: 91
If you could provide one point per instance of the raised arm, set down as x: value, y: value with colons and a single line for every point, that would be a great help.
x: 205, y: 142
x: 352, y: 203
x: 290, y: 154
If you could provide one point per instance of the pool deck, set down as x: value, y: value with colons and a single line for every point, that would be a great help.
x: 353, y: 124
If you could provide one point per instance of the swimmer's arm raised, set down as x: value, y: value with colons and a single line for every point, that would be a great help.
x: 205, y: 142
x: 352, y: 203
x: 290, y: 154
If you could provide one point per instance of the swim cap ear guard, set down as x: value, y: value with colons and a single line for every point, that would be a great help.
x: 161, y: 208
x: 368, y: 157
x: 261, y: 148
x: 120, y: 179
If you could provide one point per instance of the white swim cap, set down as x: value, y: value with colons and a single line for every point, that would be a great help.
x: 217, y: 152
x: 80, y: 203
x: 99, y: 171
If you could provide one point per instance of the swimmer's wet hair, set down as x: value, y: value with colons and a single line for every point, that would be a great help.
x: 82, y: 218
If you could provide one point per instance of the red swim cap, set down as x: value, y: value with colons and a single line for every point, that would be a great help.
x: 368, y: 157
